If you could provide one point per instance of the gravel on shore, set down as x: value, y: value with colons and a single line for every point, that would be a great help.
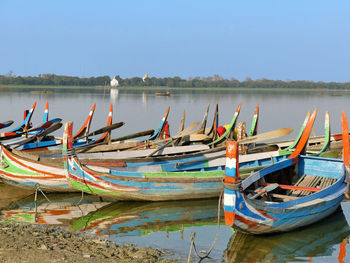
x: 22, y: 242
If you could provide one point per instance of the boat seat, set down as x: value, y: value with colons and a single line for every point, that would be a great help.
x: 264, y: 190
x: 310, y: 181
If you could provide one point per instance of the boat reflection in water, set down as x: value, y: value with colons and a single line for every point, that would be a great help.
x: 102, y: 218
x: 328, y: 238
x: 57, y: 209
x: 142, y: 218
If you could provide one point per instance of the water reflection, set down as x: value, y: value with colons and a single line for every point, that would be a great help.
x: 140, y: 218
x: 327, y: 238
x: 114, y: 95
x: 54, y: 209
x: 90, y: 214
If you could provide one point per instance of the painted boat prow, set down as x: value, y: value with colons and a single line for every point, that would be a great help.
x: 253, y: 206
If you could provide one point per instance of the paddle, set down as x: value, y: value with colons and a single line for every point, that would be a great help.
x: 102, y: 130
x: 256, y: 138
x: 134, y: 135
x: 181, y: 127
x: 55, y: 126
x: 185, y: 132
x: 107, y: 128
x: 204, y: 121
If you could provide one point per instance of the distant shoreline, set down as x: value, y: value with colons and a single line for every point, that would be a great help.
x: 43, y: 88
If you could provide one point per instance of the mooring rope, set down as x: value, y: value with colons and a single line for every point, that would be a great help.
x: 193, y: 235
x: 36, y: 193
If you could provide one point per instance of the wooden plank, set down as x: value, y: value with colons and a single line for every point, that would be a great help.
x: 293, y: 187
x: 284, y: 197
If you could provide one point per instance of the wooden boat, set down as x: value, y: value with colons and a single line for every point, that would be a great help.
x: 21, y: 129
x: 318, y: 241
x: 152, y: 186
x: 6, y: 124
x: 162, y: 94
x: 27, y: 134
x: 25, y: 173
x: 81, y: 139
x: 280, y: 197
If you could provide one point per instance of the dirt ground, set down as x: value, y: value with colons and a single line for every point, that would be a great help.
x: 23, y: 242
x: 33, y: 243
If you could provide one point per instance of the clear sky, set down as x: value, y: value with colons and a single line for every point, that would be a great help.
x: 280, y: 39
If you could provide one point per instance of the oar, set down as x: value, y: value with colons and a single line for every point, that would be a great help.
x: 267, y: 136
x: 212, y: 131
x: 185, y: 132
x: 134, y: 135
x: 346, y: 152
x: 55, y: 126
x: 181, y: 127
x: 102, y: 130
x: 106, y: 129
x: 204, y: 121
x: 257, y: 138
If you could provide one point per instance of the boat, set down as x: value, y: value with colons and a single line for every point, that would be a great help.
x: 148, y: 185
x: 81, y: 139
x: 21, y: 129
x: 25, y: 133
x: 167, y: 94
x: 316, y: 243
x: 30, y: 174
x: 6, y: 124
x: 287, y: 195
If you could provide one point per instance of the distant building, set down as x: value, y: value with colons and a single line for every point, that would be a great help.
x: 145, y: 77
x: 114, y: 82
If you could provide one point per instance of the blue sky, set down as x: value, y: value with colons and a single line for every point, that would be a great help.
x: 297, y: 40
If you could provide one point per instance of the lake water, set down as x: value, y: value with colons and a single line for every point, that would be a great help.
x: 170, y: 225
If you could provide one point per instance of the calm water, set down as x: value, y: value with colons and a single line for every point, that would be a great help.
x: 170, y: 225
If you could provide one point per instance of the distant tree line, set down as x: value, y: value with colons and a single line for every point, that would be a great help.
x: 197, y: 82
x: 219, y: 82
x: 52, y: 79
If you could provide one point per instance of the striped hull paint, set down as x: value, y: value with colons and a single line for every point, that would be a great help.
x: 248, y: 214
x: 25, y: 173
x: 255, y: 160
x: 145, y: 186
x: 276, y: 219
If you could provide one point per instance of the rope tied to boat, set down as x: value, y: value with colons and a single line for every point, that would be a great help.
x: 233, y: 186
x: 193, y: 235
x: 68, y: 152
x: 37, y: 187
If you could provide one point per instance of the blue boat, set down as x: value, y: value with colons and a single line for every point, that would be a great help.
x: 287, y: 195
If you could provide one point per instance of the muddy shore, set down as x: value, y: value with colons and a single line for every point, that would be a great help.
x: 24, y: 242
x: 34, y: 243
